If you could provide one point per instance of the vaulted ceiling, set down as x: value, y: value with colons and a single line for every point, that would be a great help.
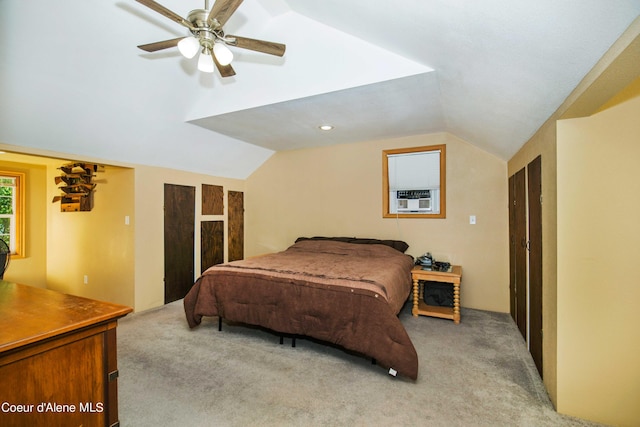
x: 491, y: 72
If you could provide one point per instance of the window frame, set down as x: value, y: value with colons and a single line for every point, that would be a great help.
x: 19, y: 215
x: 442, y: 148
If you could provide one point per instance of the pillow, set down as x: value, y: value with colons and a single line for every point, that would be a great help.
x: 398, y: 245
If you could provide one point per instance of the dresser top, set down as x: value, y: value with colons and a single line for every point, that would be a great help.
x: 29, y: 314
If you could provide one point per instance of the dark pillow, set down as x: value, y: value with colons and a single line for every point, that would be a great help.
x: 398, y: 245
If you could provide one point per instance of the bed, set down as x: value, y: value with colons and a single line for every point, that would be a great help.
x: 344, y: 291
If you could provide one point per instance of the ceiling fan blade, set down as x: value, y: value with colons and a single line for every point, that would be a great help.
x: 271, y: 48
x: 221, y: 11
x: 166, y: 12
x: 224, y: 70
x: 152, y: 47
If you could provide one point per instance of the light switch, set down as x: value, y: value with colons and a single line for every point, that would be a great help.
x: 472, y: 219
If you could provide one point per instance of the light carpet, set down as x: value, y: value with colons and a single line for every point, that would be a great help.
x: 477, y: 373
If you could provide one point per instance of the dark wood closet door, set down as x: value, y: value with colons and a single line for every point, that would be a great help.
x: 512, y: 248
x: 534, y: 175
x: 236, y: 225
x: 212, y: 199
x: 211, y: 244
x: 179, y: 252
x: 517, y: 250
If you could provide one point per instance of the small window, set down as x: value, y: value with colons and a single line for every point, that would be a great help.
x: 414, y: 182
x: 12, y: 211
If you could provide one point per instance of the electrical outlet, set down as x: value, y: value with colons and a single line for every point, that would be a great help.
x: 86, y: 279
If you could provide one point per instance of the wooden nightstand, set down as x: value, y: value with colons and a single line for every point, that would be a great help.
x: 420, y: 307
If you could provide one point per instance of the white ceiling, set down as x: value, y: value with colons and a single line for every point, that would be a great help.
x: 491, y: 72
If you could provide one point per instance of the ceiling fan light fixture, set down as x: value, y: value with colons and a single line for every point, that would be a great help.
x: 206, y: 27
x: 223, y: 53
x: 205, y: 62
x: 189, y: 47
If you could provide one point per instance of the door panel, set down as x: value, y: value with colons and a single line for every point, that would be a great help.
x: 211, y: 244
x: 517, y: 250
x: 179, y: 228
x: 236, y: 225
x: 534, y: 175
x: 512, y: 248
x: 212, y: 199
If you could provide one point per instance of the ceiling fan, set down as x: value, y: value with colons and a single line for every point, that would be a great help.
x: 208, y: 38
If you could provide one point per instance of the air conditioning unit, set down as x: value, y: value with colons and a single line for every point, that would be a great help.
x: 414, y: 201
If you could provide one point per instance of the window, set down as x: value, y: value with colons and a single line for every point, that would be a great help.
x: 414, y: 182
x: 12, y: 211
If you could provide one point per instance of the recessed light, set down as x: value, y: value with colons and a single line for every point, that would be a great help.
x: 325, y: 127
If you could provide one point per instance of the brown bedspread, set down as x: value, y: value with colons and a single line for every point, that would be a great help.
x: 342, y: 293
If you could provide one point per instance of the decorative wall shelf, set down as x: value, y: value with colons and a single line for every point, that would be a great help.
x: 77, y: 186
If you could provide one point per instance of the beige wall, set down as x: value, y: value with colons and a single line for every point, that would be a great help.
x: 149, y: 227
x: 124, y: 263
x: 32, y: 267
x: 96, y: 243
x: 598, y: 265
x: 616, y: 69
x: 337, y: 190
x: 543, y: 144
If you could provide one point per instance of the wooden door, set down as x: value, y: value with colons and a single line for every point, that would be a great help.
x: 534, y: 178
x: 236, y: 225
x: 179, y: 252
x: 211, y: 244
x: 517, y: 250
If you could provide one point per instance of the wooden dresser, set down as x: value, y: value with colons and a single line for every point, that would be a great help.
x: 58, y: 362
